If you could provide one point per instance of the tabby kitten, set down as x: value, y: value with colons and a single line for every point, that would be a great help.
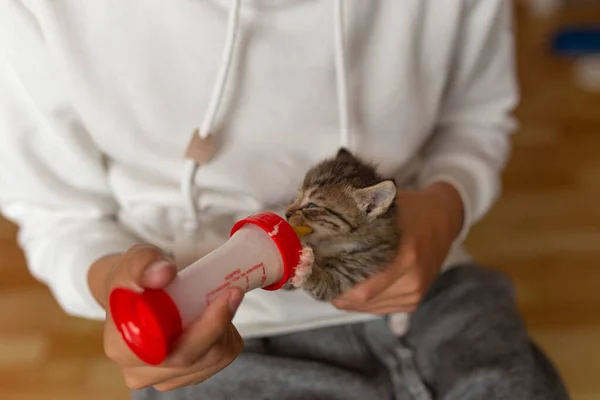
x: 352, y: 212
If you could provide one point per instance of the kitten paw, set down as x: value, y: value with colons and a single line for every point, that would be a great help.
x: 304, y: 268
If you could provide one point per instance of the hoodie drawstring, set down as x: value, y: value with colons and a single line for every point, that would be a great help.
x: 191, y: 167
x: 341, y: 72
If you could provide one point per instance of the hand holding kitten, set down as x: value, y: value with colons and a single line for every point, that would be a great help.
x: 430, y: 220
x: 372, y: 247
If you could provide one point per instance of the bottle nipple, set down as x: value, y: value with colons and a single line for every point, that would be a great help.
x: 302, y: 230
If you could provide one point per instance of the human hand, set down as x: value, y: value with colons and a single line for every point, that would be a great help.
x: 206, y: 347
x: 430, y: 220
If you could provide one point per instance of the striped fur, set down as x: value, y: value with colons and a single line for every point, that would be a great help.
x: 352, y: 212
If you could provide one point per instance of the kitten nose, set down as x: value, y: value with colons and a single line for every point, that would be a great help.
x: 289, y: 213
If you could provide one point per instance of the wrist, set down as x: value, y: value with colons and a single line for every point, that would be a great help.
x: 98, y: 277
x: 448, y: 201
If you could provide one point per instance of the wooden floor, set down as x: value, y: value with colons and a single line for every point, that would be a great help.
x: 544, y: 232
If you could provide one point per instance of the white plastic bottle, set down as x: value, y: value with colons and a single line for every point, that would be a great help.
x: 263, y: 251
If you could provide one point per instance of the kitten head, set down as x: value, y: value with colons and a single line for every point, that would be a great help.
x: 341, y: 195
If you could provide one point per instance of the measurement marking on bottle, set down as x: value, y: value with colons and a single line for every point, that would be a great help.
x: 233, y: 279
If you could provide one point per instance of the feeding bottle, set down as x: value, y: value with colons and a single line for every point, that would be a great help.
x: 262, y: 252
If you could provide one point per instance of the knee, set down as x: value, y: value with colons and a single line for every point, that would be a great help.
x: 472, y: 279
x: 481, y: 276
x: 466, y: 302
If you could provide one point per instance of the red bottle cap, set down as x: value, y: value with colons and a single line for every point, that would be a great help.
x: 284, y: 237
x: 149, y: 322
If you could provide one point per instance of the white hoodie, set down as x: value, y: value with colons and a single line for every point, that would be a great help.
x: 98, y: 101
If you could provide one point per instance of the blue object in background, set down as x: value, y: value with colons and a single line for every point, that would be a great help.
x: 577, y: 41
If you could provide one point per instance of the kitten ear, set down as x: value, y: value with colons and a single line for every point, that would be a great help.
x: 344, y: 154
x: 377, y: 199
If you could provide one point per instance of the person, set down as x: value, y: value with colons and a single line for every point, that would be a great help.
x: 134, y: 134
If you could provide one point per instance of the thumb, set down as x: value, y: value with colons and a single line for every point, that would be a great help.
x: 207, y: 330
x: 145, y: 266
x: 158, y: 274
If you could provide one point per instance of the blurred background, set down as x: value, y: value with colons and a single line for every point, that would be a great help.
x: 544, y: 233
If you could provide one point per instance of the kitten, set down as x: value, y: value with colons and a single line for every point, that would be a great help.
x: 352, y: 212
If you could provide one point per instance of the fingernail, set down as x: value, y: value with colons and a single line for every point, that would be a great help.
x: 157, y: 266
x: 235, y: 299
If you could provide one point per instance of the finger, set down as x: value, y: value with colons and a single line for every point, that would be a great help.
x: 400, y: 293
x: 365, y: 291
x: 144, y: 265
x: 405, y: 308
x: 389, y: 297
x: 116, y: 349
x: 401, y: 303
x: 379, y: 283
x: 159, y: 274
x: 139, y: 377
x: 189, y: 380
x: 203, y: 333
x: 391, y: 304
x: 411, y: 280
x: 407, y: 288
x: 205, y: 369
x: 146, y: 376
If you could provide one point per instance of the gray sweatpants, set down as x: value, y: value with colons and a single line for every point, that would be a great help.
x: 465, y: 342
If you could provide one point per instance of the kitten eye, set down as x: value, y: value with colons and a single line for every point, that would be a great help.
x: 311, y: 205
